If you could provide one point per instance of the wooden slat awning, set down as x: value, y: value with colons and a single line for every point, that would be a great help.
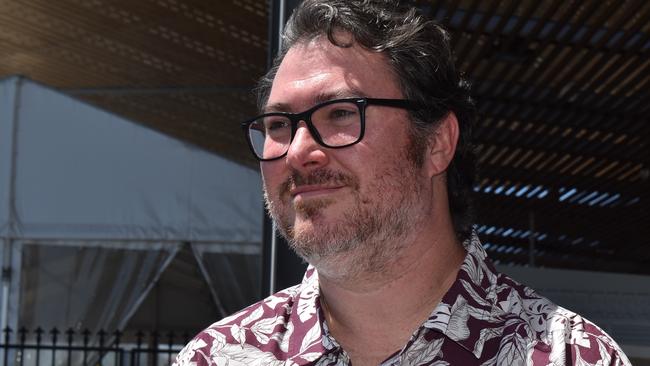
x: 562, y: 91
x: 562, y: 88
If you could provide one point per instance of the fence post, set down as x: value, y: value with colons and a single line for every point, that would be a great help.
x: 54, y: 332
x: 7, y: 332
x: 118, y: 351
x: 86, y: 334
x: 102, y: 335
x: 23, y: 336
x: 39, y: 334
x: 155, y: 336
x: 136, y: 360
x: 70, y: 334
x: 170, y: 344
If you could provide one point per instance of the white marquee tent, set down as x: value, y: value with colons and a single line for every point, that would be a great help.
x: 94, y: 207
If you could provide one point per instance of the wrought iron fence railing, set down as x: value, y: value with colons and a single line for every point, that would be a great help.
x: 41, y: 347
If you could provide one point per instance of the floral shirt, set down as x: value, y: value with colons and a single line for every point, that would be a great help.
x: 485, y: 318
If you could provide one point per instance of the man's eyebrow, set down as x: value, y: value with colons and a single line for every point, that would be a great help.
x: 318, y: 98
x: 276, y: 107
x: 338, y: 94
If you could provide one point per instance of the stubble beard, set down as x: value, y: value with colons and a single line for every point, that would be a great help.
x: 368, y: 237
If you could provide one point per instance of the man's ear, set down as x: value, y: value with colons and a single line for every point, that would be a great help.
x: 442, y: 145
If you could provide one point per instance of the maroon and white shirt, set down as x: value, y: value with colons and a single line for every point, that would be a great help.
x: 485, y: 318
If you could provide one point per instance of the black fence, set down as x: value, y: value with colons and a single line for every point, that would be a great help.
x: 72, y: 348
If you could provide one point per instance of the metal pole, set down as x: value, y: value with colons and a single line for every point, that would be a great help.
x: 7, y: 258
x: 281, y: 19
x: 274, y: 229
x: 270, y: 241
x: 273, y: 270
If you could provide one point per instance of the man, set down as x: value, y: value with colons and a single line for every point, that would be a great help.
x: 367, y: 168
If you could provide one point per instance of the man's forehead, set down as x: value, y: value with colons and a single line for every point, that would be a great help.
x: 317, y: 70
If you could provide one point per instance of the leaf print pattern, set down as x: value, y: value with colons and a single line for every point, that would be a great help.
x: 263, y: 329
x: 439, y: 318
x: 422, y: 352
x: 306, y: 305
x: 218, y: 341
x: 486, y: 335
x: 512, y: 350
x: 238, y: 334
x: 288, y: 335
x: 186, y: 358
x: 457, y: 328
x: 312, y: 336
x: 485, y: 318
x: 477, y: 299
x: 256, y: 314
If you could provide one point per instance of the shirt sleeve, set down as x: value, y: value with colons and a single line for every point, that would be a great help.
x: 582, y: 344
x: 195, y: 353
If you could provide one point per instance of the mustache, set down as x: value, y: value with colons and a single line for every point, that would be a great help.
x: 317, y: 177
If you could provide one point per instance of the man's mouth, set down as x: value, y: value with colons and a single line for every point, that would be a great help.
x: 312, y: 191
x: 318, y: 183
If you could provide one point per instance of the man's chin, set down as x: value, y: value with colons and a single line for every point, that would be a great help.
x: 312, y: 208
x: 342, y: 263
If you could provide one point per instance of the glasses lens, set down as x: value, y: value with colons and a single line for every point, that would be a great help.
x: 338, y: 124
x: 270, y: 136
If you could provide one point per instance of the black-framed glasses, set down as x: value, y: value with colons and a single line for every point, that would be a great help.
x: 334, y: 124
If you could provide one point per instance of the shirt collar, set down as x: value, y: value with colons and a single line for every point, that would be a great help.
x: 472, y: 296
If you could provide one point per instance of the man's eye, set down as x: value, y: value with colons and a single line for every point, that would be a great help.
x: 278, y: 124
x: 342, y: 113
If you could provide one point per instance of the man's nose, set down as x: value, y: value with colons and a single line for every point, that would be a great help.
x: 305, y: 153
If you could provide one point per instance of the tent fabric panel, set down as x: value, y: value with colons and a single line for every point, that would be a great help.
x: 226, y: 200
x: 101, y: 287
x: 234, y: 276
x: 87, y: 174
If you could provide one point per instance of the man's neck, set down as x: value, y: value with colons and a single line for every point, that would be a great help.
x: 374, y: 314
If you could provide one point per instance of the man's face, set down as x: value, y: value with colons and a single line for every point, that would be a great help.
x: 352, y: 207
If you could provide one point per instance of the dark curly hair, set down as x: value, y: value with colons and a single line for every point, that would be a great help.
x: 418, y: 51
